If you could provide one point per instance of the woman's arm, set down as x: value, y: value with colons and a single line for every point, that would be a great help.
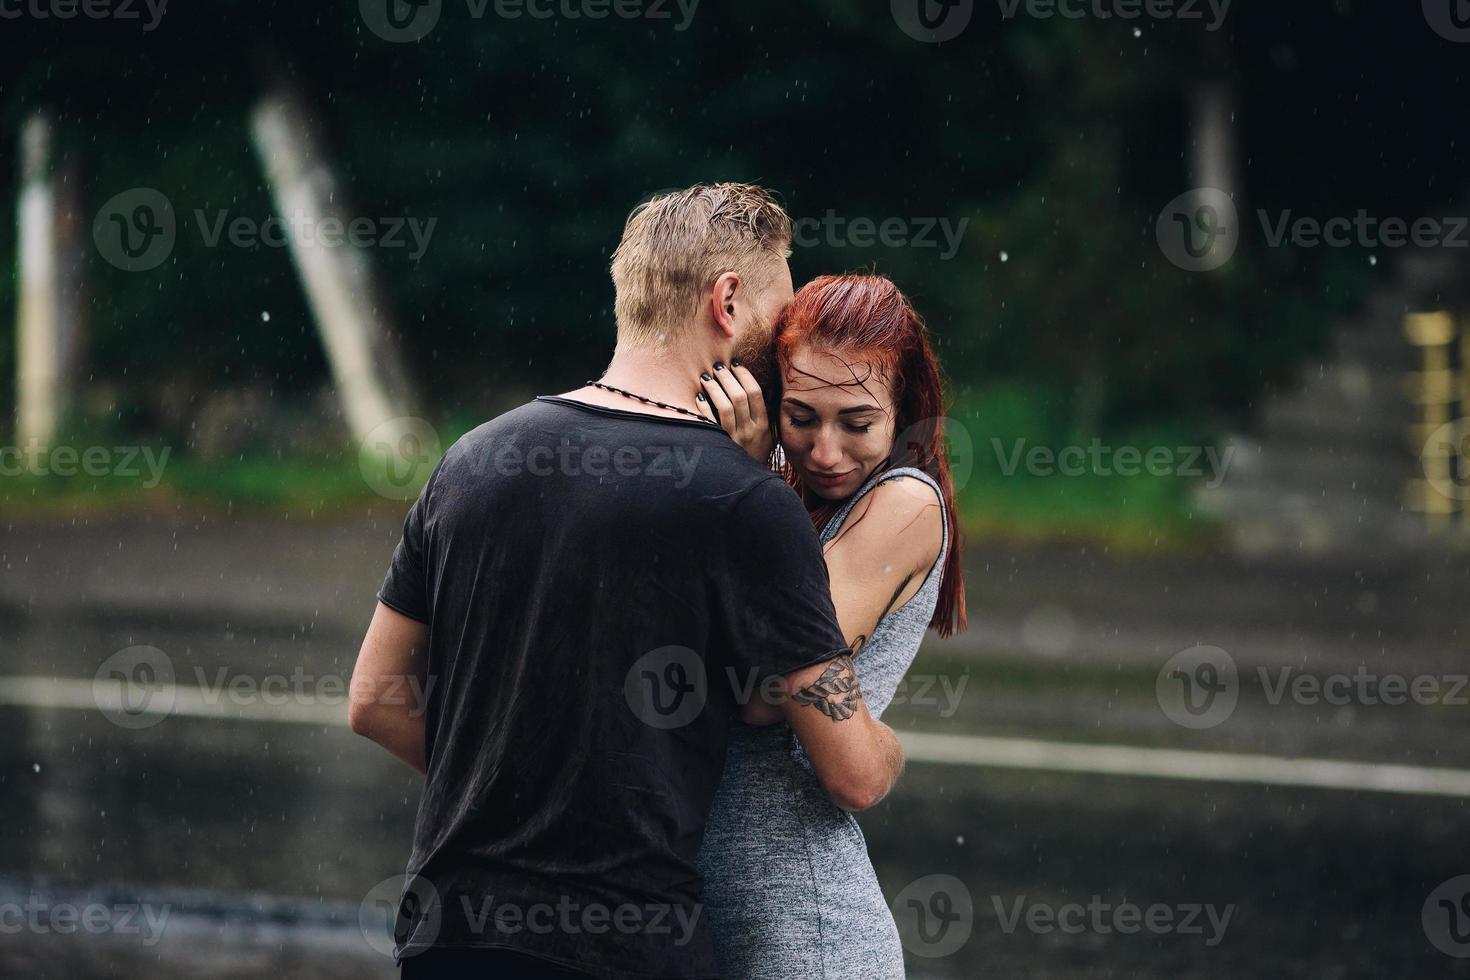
x: 876, y: 563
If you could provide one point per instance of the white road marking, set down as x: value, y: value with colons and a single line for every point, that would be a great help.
x: 978, y: 751
x: 1221, y: 767
x: 187, y: 701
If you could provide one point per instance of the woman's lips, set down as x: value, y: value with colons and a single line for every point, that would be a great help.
x: 830, y: 480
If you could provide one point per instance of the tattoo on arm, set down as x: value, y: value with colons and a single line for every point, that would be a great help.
x: 896, y: 593
x: 836, y: 693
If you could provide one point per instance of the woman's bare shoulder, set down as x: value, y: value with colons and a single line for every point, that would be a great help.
x: 905, y: 521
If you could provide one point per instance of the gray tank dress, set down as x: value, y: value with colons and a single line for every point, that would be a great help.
x: 789, y: 891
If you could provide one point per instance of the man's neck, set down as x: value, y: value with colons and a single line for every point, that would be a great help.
x: 662, y: 376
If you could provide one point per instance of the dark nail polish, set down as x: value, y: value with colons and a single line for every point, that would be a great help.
x: 705, y: 376
x: 734, y: 362
x: 699, y: 396
x: 719, y: 365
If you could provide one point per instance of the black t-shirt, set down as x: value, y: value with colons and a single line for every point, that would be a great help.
x: 601, y: 587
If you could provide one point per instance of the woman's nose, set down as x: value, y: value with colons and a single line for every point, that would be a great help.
x: 826, y: 453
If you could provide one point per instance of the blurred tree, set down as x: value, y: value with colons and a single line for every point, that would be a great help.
x: 1053, y: 144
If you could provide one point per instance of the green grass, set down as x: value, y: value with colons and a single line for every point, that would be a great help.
x: 1135, y: 512
x: 999, y: 499
x: 254, y: 484
x: 1127, y: 512
x: 1026, y: 674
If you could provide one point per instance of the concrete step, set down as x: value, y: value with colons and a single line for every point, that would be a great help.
x: 1292, y: 423
x: 1380, y: 343
x: 1267, y: 517
x: 1337, y: 471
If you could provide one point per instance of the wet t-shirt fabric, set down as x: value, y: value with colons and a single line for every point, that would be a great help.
x: 602, y: 588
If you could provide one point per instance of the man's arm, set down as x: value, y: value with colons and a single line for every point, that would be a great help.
x: 389, y: 685
x: 881, y: 557
x: 857, y: 758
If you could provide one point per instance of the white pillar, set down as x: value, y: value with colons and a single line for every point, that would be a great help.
x: 38, y: 372
x: 367, y: 369
x: 1213, y: 151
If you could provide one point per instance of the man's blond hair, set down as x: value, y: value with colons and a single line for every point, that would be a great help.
x: 677, y: 244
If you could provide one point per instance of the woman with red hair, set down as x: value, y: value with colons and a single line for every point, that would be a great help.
x: 789, y: 890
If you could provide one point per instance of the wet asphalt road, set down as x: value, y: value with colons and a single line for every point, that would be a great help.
x: 249, y: 848
x: 201, y: 820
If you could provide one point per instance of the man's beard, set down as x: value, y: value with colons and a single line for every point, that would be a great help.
x: 757, y: 354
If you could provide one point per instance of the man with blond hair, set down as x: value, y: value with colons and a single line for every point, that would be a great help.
x: 591, y: 590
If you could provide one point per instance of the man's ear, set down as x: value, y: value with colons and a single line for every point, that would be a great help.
x: 723, y: 301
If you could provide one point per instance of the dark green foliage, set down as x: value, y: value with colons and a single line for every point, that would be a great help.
x: 528, y: 141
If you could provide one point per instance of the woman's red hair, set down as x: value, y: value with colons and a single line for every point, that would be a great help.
x: 867, y: 319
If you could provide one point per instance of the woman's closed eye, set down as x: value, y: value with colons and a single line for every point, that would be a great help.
x: 802, y: 423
